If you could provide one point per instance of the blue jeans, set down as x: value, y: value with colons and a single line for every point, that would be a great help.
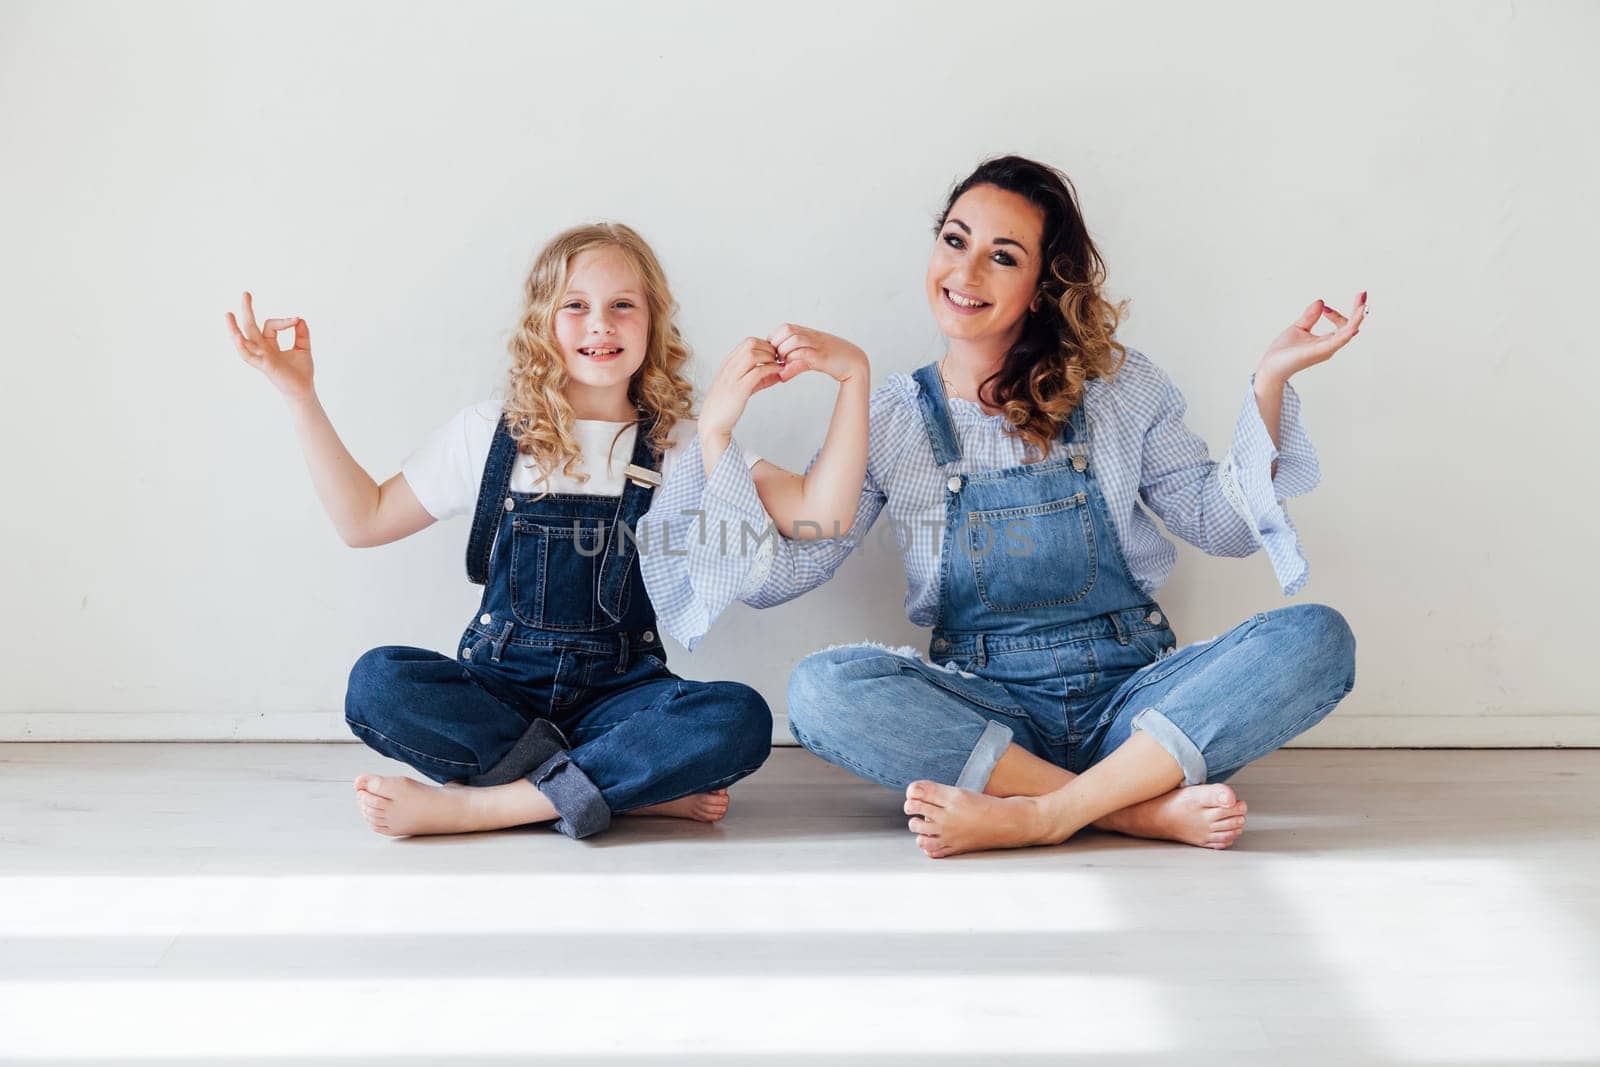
x: 1073, y: 697
x: 598, y: 735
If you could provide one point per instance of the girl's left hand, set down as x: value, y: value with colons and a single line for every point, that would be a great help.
x: 1297, y: 348
x: 801, y: 350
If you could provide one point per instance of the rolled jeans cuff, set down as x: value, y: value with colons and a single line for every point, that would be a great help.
x: 985, y: 754
x: 1175, y: 741
x: 582, y: 811
x: 541, y: 740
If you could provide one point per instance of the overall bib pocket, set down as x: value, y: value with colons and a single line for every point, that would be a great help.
x: 1040, y: 555
x: 555, y: 568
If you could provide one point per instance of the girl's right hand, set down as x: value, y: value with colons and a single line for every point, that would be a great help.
x: 751, y: 367
x: 289, y: 370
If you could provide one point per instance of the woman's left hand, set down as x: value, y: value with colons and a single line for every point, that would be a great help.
x: 1297, y: 348
x: 803, y: 349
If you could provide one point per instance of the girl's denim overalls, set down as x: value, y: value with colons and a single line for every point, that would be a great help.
x: 1045, y: 640
x: 560, y: 677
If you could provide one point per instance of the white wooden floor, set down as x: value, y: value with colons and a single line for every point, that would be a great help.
x: 208, y: 903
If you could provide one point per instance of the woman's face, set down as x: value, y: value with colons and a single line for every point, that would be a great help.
x: 984, y: 270
x: 602, y: 321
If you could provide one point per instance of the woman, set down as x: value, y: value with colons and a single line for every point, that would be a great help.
x: 1014, y: 470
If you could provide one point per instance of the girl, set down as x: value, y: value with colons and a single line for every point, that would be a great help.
x: 1020, y: 472
x: 557, y: 705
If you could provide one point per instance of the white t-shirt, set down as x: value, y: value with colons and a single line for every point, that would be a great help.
x: 446, y: 471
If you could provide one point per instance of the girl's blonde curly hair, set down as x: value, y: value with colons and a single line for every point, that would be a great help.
x: 538, y: 415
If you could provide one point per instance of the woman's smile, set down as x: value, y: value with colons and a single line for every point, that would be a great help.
x: 963, y: 303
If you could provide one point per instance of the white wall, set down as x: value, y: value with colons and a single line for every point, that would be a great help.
x: 387, y: 171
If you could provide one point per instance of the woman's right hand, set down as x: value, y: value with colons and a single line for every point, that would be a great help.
x: 751, y: 367
x: 289, y: 370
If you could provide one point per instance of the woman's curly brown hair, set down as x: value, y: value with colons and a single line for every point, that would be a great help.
x: 537, y: 412
x: 1072, y: 336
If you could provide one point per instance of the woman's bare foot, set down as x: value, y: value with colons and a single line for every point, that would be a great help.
x: 949, y: 821
x: 1209, y: 816
x: 398, y: 806
x: 701, y: 807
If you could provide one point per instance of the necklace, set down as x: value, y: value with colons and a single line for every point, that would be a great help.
x: 949, y: 386
x: 950, y: 390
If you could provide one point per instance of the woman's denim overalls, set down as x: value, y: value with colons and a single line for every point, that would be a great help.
x: 560, y: 677
x: 1047, y: 642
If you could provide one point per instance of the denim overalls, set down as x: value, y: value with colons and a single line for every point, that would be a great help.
x: 1043, y: 639
x: 560, y: 677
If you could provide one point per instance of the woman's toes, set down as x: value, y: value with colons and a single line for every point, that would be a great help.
x: 1222, y: 840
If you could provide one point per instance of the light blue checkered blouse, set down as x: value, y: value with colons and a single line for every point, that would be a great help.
x: 706, y: 541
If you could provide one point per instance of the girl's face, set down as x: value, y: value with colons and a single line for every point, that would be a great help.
x: 984, y: 270
x: 602, y: 320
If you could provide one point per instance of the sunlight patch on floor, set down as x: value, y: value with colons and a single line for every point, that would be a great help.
x: 122, y: 906
x: 835, y: 1014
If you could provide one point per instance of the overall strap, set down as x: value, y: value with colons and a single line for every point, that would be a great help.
x: 936, y: 415
x: 1075, y: 438
x: 1075, y: 428
x: 631, y: 507
x: 493, y: 495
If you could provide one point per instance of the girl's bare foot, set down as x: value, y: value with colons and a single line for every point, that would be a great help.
x: 399, y: 806
x: 949, y: 821
x: 701, y: 807
x: 1209, y: 816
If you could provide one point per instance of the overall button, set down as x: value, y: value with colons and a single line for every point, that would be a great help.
x: 939, y: 642
x: 954, y: 484
x: 486, y: 618
x: 511, y: 504
x: 466, y: 653
x: 649, y: 636
x: 1080, y: 464
x: 1154, y: 618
